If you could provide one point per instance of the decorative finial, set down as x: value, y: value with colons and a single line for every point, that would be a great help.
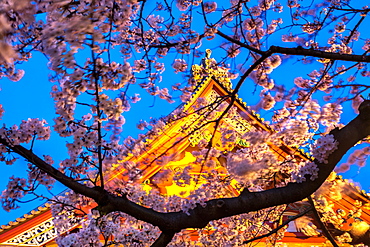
x: 209, y: 68
x: 207, y: 61
x: 208, y: 53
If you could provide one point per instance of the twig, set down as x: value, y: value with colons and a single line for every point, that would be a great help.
x: 279, y: 227
x: 163, y: 239
x: 322, y: 225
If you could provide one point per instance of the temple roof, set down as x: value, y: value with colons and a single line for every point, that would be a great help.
x: 26, y: 217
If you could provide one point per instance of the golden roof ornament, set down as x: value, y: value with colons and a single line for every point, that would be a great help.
x: 210, y: 69
x: 207, y: 61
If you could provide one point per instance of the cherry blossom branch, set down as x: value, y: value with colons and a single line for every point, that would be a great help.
x: 352, y: 10
x: 98, y: 113
x: 51, y: 171
x: 354, y: 30
x: 322, y: 225
x: 300, y: 51
x: 164, y: 239
x: 279, y: 227
x: 241, y: 44
x: 249, y: 71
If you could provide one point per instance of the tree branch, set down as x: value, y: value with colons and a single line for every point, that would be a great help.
x: 322, y: 225
x: 106, y: 201
x: 164, y: 239
x: 51, y: 171
x: 200, y: 216
x: 241, y: 44
x: 300, y: 51
x: 279, y: 227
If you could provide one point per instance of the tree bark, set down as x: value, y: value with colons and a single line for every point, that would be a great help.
x: 164, y: 239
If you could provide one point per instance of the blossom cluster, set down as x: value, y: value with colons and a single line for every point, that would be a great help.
x: 305, y: 168
x: 323, y: 147
x: 179, y: 65
x: 227, y: 231
x: 330, y: 115
x: 1, y: 111
x: 42, y: 178
x: 210, y: 7
x: 213, y: 186
x: 28, y: 130
x: 358, y: 157
x: 88, y: 236
x: 16, y: 189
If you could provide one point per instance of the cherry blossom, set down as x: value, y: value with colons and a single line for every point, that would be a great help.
x: 179, y: 65
x: 106, y: 58
x: 323, y: 147
x: 1, y: 111
x: 210, y: 7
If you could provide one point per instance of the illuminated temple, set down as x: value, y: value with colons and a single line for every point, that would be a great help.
x: 36, y: 228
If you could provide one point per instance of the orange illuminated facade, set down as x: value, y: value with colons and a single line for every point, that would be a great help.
x: 180, y: 137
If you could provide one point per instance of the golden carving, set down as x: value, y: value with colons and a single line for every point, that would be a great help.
x: 209, y: 68
x: 36, y: 236
x: 195, y: 120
